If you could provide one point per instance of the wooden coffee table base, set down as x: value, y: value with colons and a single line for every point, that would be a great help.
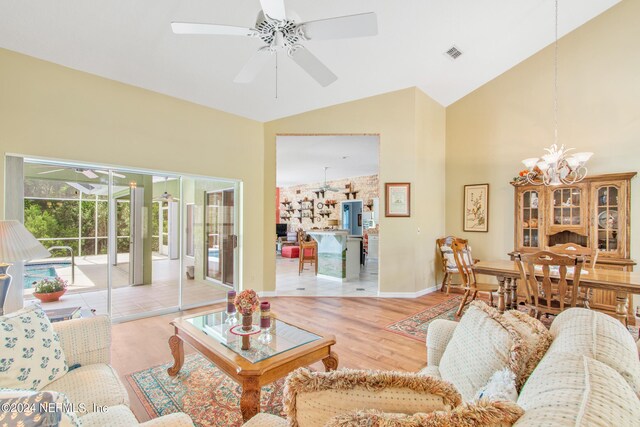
x: 267, y: 371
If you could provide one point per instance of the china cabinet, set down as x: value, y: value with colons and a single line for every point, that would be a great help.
x: 594, y: 213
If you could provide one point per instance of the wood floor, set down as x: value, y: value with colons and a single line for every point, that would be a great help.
x: 357, y: 323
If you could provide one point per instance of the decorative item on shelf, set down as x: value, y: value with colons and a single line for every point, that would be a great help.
x: 246, y: 303
x: 556, y: 167
x: 333, y: 223
x: 49, y: 290
x: 232, y: 316
x: 330, y: 203
x: 265, y: 322
x: 16, y: 244
x: 369, y: 204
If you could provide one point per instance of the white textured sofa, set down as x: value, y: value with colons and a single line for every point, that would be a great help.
x: 589, y: 376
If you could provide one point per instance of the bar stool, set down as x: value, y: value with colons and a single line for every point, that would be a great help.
x: 308, y: 255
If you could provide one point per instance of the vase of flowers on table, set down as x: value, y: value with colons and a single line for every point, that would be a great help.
x: 49, y: 290
x: 247, y: 302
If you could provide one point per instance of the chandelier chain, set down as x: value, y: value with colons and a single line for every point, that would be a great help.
x: 555, y: 80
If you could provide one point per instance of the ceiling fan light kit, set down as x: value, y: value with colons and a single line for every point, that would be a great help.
x: 279, y: 32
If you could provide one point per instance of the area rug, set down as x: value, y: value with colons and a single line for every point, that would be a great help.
x: 415, y: 326
x: 201, y: 391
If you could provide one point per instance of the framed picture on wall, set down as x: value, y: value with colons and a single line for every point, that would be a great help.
x: 476, y: 207
x: 397, y: 199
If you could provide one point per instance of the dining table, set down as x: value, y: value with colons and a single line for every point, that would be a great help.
x: 623, y: 283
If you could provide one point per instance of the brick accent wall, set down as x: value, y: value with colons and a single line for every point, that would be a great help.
x: 366, y: 186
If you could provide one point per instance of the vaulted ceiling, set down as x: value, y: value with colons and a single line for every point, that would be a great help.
x: 132, y: 42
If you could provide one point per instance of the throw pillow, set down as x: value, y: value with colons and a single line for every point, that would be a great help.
x: 483, y: 413
x: 569, y: 388
x: 36, y: 409
x: 501, y: 386
x: 482, y: 343
x: 31, y: 355
x: 537, y: 337
x: 447, y: 253
x: 312, y: 398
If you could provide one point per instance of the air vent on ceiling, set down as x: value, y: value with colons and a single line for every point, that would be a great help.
x: 453, y: 53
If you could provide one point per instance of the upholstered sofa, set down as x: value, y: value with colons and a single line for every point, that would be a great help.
x: 91, y: 385
x: 587, y: 374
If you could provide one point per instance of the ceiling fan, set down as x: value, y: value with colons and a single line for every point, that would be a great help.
x: 279, y: 31
x: 89, y: 173
x: 166, y: 196
x: 326, y: 187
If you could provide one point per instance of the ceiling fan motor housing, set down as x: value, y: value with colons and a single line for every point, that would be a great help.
x: 275, y: 33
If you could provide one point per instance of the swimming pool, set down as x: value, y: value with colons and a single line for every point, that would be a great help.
x: 38, y: 271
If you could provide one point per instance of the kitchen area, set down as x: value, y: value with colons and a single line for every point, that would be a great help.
x: 327, y: 216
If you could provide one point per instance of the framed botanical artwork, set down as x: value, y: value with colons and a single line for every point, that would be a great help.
x: 476, y: 207
x: 397, y: 200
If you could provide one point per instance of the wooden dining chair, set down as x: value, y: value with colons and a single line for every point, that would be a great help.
x: 550, y: 285
x: 449, y: 267
x: 591, y: 258
x: 308, y: 255
x: 468, y: 275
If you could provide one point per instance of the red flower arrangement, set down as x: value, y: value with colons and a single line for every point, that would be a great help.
x: 247, y: 301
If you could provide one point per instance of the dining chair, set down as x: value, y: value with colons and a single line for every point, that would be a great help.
x: 464, y: 263
x: 449, y: 267
x: 591, y: 258
x: 308, y: 255
x: 551, y: 281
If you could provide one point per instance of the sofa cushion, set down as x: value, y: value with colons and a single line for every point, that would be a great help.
x: 483, y: 413
x: 537, y: 338
x: 312, y: 398
x: 115, y: 416
x: 91, y: 387
x: 266, y: 420
x: 568, y: 389
x: 482, y: 343
x: 36, y: 409
x: 31, y: 355
x: 599, y: 337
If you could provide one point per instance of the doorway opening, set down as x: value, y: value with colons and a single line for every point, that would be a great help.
x: 327, y: 215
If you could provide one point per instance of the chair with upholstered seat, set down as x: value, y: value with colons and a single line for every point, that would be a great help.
x: 551, y: 281
x: 308, y: 255
x: 471, y: 286
x: 449, y: 267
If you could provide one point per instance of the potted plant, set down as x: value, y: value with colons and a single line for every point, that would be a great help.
x: 48, y: 290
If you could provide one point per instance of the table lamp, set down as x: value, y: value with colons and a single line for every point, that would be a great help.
x: 333, y: 223
x: 16, y: 244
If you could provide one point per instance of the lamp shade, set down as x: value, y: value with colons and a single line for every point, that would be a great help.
x: 18, y: 244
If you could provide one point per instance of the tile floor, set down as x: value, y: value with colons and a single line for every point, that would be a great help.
x: 289, y: 283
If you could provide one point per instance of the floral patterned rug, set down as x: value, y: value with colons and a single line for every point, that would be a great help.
x: 200, y: 390
x: 415, y: 326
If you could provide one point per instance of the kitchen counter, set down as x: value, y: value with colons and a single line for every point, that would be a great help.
x: 338, y: 254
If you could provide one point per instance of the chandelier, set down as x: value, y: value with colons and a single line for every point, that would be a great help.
x: 557, y: 167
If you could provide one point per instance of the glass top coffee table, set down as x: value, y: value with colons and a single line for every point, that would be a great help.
x: 290, y: 347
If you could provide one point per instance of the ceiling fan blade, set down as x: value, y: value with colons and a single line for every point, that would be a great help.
x: 209, y: 29
x: 274, y: 9
x: 312, y: 65
x: 51, y: 171
x: 342, y: 27
x: 88, y: 173
x: 254, y: 66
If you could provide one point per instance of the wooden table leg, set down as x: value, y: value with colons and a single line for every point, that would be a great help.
x: 622, y: 300
x: 330, y: 362
x: 507, y: 287
x: 501, y: 294
x: 514, y: 294
x: 250, y: 399
x: 177, y: 351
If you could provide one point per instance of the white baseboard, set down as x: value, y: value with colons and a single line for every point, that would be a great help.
x: 264, y: 294
x: 408, y: 294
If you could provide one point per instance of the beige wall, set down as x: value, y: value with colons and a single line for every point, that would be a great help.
x: 52, y: 111
x: 511, y: 118
x: 411, y: 129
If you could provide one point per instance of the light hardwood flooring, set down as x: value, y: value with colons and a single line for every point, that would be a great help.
x: 357, y: 323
